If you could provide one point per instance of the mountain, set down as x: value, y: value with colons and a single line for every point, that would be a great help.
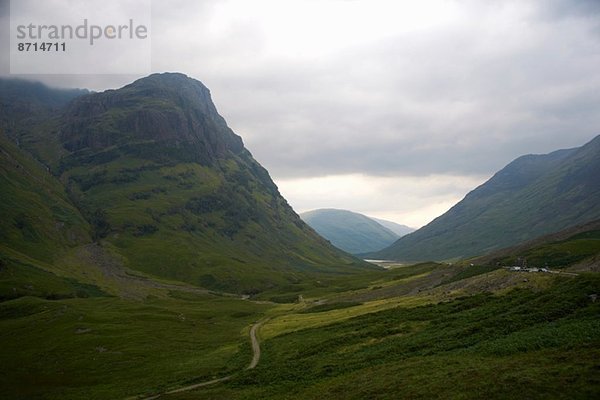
x: 349, y: 231
x: 151, y: 173
x: 532, y: 196
x: 38, y: 217
x: 398, y: 229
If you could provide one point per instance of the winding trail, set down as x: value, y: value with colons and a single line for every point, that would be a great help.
x: 252, y: 365
x: 255, y: 345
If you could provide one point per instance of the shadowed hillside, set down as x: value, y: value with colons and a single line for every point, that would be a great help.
x: 532, y: 196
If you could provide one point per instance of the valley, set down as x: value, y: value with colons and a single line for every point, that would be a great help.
x: 430, y: 319
x: 144, y: 253
x: 494, y: 333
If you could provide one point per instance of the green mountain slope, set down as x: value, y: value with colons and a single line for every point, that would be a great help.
x: 156, y: 176
x: 349, y: 231
x: 532, y: 196
x: 95, y: 189
x: 38, y: 218
x: 574, y: 245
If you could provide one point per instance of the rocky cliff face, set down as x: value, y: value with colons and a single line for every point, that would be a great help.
x: 169, y: 109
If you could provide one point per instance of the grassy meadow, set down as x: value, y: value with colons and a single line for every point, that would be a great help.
x: 107, y: 348
x: 536, y: 342
x: 429, y: 330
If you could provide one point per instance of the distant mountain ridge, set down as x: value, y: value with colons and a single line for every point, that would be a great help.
x: 352, y: 232
x: 398, y: 229
x: 532, y: 196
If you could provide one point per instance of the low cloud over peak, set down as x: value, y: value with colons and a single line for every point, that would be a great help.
x: 387, y: 89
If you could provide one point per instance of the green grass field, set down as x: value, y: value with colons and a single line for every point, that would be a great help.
x: 126, y: 336
x: 422, y: 331
x: 107, y: 348
x: 532, y: 343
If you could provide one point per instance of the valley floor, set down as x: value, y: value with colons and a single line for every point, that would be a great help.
x: 423, y: 331
x: 537, y: 340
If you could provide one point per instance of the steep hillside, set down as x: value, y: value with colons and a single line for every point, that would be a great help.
x: 160, y: 181
x: 561, y: 249
x: 28, y: 111
x: 25, y: 103
x: 38, y: 218
x: 349, y: 231
x: 532, y: 196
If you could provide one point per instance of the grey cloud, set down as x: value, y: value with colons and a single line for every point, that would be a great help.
x: 452, y: 103
x: 464, y: 99
x: 88, y: 81
x: 559, y: 9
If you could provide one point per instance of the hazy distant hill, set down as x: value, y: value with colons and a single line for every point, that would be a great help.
x: 349, y: 231
x: 532, y: 196
x: 398, y: 229
x: 154, y: 174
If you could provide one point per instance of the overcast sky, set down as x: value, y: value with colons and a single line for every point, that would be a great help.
x: 395, y: 109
